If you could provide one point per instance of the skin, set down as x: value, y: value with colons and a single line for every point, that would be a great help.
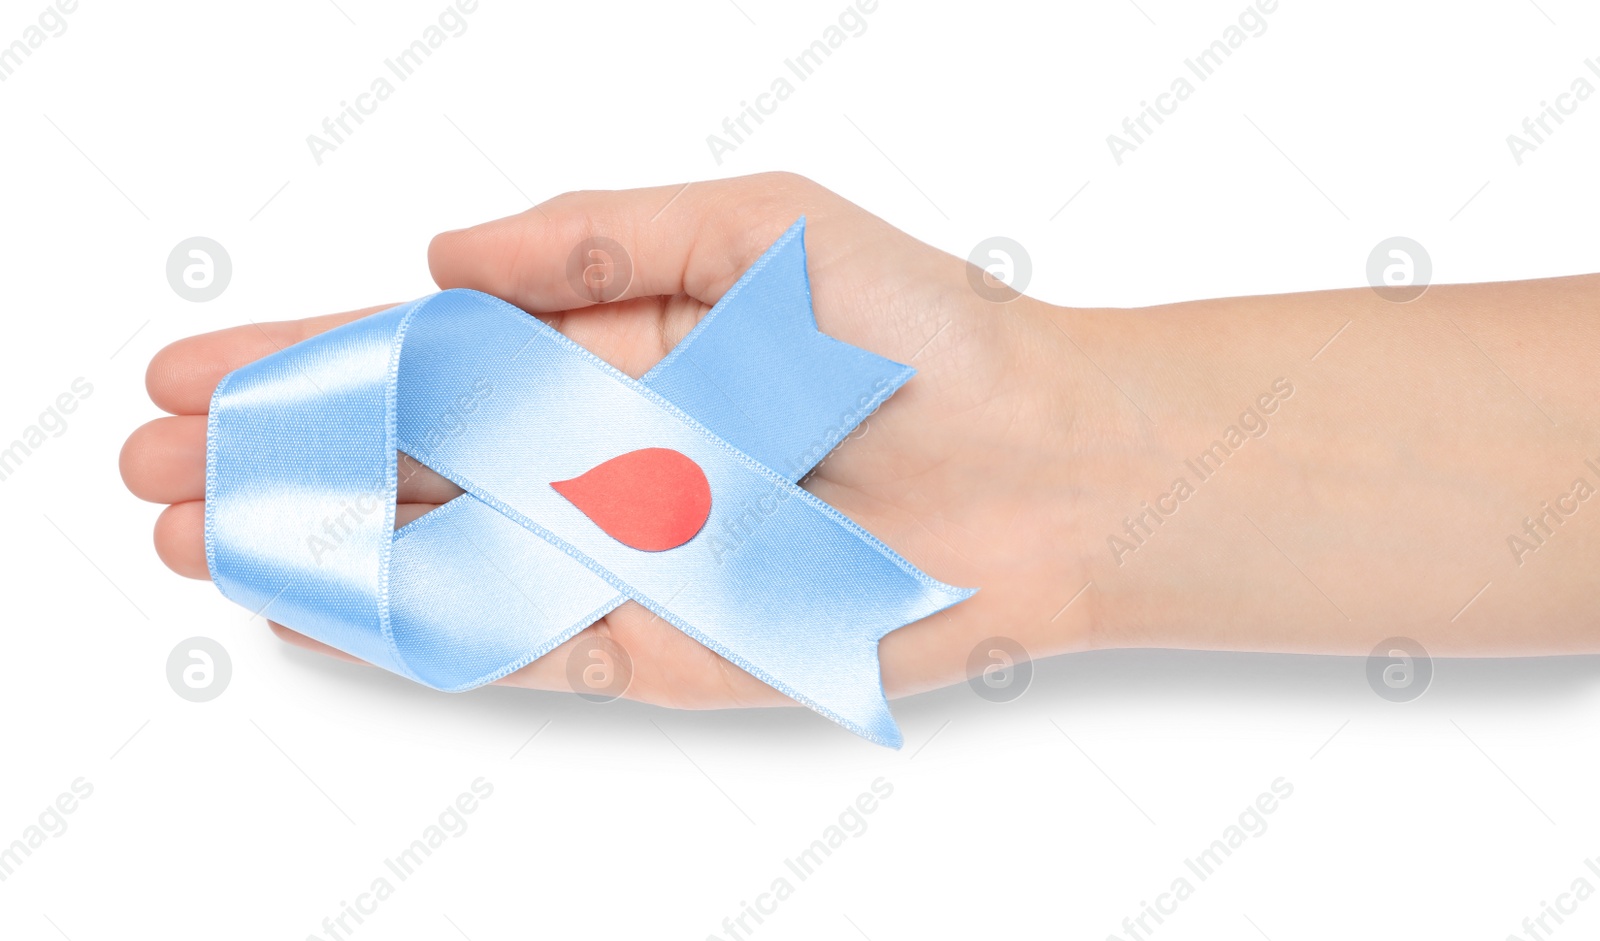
x: 1374, y: 500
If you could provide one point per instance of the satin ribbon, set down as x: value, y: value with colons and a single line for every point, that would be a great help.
x: 301, y: 485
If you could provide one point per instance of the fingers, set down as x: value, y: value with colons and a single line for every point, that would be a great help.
x: 182, y: 376
x: 693, y: 239
x: 164, y: 461
x: 181, y: 534
x: 296, y: 639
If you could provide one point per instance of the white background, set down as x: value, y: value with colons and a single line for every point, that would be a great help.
x: 259, y: 814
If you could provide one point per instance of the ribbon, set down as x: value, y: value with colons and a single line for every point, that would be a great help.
x: 301, y: 486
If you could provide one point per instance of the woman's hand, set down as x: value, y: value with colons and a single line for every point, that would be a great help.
x: 968, y: 471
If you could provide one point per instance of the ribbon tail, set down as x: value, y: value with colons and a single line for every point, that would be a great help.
x: 759, y: 374
x: 824, y: 654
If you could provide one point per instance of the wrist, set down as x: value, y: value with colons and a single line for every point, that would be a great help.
x: 1077, y: 438
x: 1129, y: 394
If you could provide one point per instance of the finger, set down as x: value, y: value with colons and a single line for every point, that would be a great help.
x: 661, y: 664
x: 544, y: 673
x: 407, y: 512
x: 182, y: 376
x: 164, y: 461
x: 693, y: 239
x: 296, y: 639
x: 180, y: 534
x: 419, y: 484
x: 181, y: 539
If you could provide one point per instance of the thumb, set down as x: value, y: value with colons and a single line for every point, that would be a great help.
x: 599, y: 246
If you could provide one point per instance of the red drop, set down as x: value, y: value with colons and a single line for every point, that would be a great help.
x: 651, y: 499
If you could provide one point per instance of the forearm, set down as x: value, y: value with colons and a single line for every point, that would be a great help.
x: 1429, y: 450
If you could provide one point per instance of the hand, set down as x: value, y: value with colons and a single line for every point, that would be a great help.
x: 963, y: 471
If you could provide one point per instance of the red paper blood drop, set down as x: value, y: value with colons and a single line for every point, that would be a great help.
x: 651, y: 499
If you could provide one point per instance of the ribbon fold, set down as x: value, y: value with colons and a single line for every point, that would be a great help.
x: 301, y: 486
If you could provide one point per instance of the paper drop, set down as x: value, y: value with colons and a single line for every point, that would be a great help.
x: 652, y: 499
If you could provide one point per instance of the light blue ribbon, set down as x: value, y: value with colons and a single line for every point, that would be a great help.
x: 301, y: 484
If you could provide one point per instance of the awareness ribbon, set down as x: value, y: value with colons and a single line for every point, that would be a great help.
x: 301, y: 486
